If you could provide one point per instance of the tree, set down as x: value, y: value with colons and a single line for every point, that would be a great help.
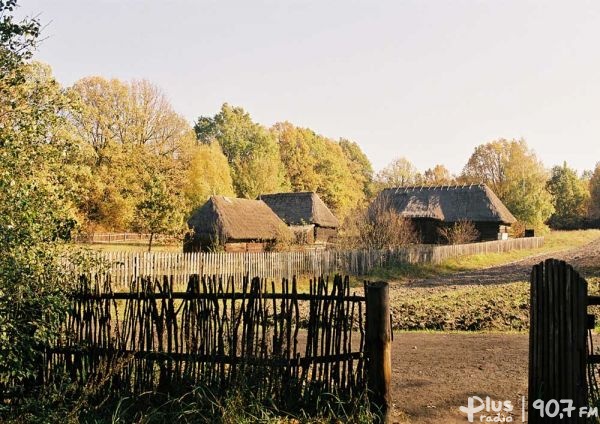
x: 594, y: 208
x: 517, y: 177
x: 438, y: 175
x: 570, y: 197
x: 35, y: 218
x: 251, y: 150
x: 399, y: 173
x: 312, y: 162
x: 208, y: 174
x: 487, y: 165
x: 359, y: 165
x: 133, y: 134
x: 159, y: 212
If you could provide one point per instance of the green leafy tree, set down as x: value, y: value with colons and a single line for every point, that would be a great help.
x: 159, y: 212
x: 571, y: 196
x: 35, y: 213
x: 251, y: 150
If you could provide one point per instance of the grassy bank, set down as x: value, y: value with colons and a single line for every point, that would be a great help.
x: 556, y: 241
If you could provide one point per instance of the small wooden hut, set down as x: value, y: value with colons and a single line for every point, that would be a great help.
x: 432, y: 208
x: 306, y: 215
x: 237, y: 225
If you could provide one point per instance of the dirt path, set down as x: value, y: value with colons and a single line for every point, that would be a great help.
x: 581, y: 257
x: 434, y: 374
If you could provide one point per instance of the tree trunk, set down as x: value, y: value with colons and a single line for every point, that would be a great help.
x: 150, y: 242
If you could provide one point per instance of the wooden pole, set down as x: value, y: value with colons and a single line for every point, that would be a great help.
x: 379, y: 348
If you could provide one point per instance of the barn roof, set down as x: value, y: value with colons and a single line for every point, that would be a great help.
x: 301, y: 208
x: 237, y: 219
x: 449, y: 203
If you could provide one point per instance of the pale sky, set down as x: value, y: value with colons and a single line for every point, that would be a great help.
x: 428, y: 80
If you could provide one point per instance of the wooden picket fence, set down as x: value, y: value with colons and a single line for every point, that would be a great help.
x: 125, y: 266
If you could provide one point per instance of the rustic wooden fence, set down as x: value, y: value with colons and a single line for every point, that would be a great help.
x: 286, y: 345
x: 123, y: 266
x: 561, y: 360
x: 122, y: 238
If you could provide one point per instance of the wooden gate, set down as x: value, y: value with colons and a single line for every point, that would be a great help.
x: 558, y: 348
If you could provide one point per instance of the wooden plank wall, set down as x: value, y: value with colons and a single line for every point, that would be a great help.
x: 276, y: 265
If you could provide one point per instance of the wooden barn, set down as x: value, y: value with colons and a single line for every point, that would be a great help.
x: 431, y: 208
x: 237, y: 225
x: 306, y: 214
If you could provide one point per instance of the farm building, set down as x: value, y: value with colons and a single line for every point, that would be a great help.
x: 432, y: 208
x: 237, y: 225
x: 306, y: 214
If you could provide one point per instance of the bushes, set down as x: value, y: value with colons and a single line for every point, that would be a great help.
x: 379, y: 226
x: 461, y: 232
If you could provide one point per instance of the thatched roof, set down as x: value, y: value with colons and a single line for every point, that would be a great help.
x: 301, y: 209
x: 449, y: 203
x: 236, y: 219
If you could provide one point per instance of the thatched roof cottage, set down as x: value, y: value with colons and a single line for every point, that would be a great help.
x: 238, y: 225
x: 431, y: 208
x: 306, y: 215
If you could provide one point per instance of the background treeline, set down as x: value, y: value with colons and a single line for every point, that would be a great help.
x: 135, y: 164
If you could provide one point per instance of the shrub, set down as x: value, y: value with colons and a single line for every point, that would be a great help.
x: 378, y: 226
x: 460, y: 232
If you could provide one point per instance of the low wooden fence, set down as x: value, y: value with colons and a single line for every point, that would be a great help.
x: 125, y: 266
x: 561, y: 358
x: 287, y: 345
x: 121, y: 238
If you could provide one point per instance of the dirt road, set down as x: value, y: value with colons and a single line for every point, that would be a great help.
x: 435, y: 373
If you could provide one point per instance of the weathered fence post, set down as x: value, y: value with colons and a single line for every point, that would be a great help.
x: 379, y: 348
x: 557, y: 342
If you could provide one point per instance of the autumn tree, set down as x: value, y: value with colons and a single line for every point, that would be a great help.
x: 516, y: 175
x: 399, y: 173
x: 208, y: 174
x: 487, y: 165
x: 251, y: 150
x: 570, y: 197
x: 360, y: 165
x: 338, y: 171
x: 133, y: 134
x: 438, y: 175
x: 594, y: 207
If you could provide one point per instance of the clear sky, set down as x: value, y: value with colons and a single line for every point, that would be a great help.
x: 428, y: 80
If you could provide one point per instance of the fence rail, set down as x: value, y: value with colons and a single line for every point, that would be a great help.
x: 125, y: 266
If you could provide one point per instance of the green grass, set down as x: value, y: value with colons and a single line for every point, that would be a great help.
x: 555, y: 241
